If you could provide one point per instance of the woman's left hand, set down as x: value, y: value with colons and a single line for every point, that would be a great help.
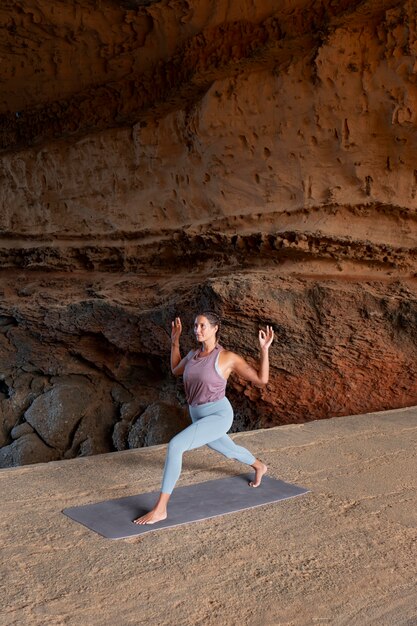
x: 266, y: 337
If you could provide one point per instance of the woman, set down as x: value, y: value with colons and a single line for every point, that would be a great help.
x: 205, y: 373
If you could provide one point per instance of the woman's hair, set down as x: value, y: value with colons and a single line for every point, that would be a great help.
x: 214, y: 320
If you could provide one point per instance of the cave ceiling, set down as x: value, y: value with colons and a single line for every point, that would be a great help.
x: 72, y: 67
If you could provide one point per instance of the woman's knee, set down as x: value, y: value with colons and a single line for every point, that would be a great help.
x: 177, y: 445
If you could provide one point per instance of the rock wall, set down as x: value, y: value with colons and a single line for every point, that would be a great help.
x: 160, y: 157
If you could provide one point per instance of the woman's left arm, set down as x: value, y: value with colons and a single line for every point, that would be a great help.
x: 246, y: 371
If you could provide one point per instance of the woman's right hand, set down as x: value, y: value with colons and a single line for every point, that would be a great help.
x: 176, y: 330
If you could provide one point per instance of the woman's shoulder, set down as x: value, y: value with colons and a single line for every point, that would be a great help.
x: 227, y: 355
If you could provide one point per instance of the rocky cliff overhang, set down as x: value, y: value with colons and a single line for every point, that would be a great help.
x: 70, y: 68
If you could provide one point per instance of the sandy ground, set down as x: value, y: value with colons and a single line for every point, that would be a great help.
x: 343, y: 554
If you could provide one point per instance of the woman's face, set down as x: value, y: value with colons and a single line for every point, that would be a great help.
x: 203, y: 330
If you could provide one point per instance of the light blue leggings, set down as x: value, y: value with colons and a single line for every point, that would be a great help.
x: 211, y: 421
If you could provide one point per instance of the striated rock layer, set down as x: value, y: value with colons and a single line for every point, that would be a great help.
x: 160, y: 157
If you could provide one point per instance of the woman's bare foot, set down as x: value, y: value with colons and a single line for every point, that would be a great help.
x: 158, y: 513
x: 260, y: 470
x: 152, y: 517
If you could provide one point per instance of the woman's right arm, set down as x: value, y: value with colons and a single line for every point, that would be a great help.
x: 177, y: 364
x: 178, y: 370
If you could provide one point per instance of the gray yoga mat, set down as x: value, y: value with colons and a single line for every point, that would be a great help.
x: 113, y: 519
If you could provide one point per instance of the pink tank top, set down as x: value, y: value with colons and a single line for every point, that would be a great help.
x: 203, y: 381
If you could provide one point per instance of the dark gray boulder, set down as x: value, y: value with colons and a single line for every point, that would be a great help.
x: 29, y: 448
x: 157, y: 424
x: 56, y: 414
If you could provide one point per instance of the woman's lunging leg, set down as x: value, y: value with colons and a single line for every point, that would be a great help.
x: 173, y: 462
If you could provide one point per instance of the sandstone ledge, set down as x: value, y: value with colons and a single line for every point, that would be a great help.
x: 343, y: 554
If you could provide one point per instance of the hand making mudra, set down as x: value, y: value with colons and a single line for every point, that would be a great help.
x: 205, y: 372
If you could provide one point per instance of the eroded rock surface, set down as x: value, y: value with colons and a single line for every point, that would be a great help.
x: 89, y: 373
x: 159, y: 157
